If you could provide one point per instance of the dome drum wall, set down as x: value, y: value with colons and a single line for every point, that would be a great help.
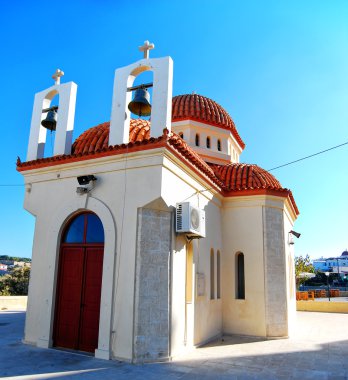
x: 223, y: 146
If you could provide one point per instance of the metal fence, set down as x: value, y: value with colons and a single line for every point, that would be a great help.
x: 323, y: 287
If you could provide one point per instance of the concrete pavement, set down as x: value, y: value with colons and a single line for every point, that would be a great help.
x: 318, y: 350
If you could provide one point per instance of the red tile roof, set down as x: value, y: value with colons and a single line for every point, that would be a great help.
x: 205, y: 110
x: 249, y: 179
x: 245, y: 176
x: 230, y: 180
x: 97, y: 138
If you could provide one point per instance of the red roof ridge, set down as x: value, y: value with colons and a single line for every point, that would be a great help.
x: 230, y: 180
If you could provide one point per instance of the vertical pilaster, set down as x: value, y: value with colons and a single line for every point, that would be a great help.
x: 276, y: 307
x: 151, y: 320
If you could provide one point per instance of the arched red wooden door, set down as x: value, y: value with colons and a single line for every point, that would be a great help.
x: 76, y: 324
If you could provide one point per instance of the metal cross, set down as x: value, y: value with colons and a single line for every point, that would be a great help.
x: 146, y: 47
x: 56, y: 76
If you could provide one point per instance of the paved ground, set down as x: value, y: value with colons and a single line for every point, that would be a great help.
x: 319, y: 350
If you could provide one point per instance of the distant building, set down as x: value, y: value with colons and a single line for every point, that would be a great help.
x: 3, y: 267
x: 7, y: 262
x: 333, y: 264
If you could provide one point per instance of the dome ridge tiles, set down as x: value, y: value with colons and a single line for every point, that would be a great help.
x: 205, y: 110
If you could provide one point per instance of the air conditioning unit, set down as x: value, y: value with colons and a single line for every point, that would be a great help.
x: 190, y: 220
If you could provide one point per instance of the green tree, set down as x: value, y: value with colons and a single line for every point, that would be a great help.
x: 302, y: 265
x: 16, y: 282
x: 15, y: 258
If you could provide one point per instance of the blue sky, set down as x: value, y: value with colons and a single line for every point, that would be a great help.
x: 280, y: 68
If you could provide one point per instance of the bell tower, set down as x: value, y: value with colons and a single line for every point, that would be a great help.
x: 64, y: 112
x: 161, y: 109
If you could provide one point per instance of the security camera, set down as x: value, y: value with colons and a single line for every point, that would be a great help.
x: 86, y: 179
x: 296, y: 234
x: 85, y: 185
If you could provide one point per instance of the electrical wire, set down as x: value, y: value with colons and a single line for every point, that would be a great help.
x: 277, y: 167
x: 305, y: 158
x: 11, y: 185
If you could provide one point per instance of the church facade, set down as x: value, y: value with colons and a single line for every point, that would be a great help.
x: 151, y: 237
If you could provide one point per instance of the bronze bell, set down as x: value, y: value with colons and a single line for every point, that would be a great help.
x: 51, y: 120
x: 140, y: 105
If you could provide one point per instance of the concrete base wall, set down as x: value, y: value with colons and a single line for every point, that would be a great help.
x: 322, y: 306
x: 13, y: 302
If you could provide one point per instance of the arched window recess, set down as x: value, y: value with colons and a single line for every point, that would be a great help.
x: 85, y: 228
x: 240, y: 276
x: 218, y: 275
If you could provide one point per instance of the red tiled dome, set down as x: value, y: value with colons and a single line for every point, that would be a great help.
x: 245, y: 177
x: 205, y: 110
x: 96, y: 138
x: 184, y: 107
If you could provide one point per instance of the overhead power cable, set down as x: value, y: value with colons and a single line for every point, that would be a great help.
x: 277, y: 167
x: 305, y: 158
x: 9, y: 185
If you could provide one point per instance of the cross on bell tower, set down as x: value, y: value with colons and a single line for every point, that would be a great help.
x: 146, y: 48
x: 56, y: 76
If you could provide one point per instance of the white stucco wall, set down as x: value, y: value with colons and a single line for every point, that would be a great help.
x: 242, y: 232
x: 149, y: 176
x: 290, y: 271
x: 245, y: 228
x: 121, y: 193
x: 202, y: 319
x: 123, y: 187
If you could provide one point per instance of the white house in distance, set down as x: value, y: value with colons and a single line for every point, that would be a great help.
x: 150, y: 236
x: 333, y: 264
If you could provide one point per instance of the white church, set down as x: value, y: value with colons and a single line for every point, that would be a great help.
x: 151, y: 238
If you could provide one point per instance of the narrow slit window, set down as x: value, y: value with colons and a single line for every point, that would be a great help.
x: 208, y: 142
x: 197, y: 139
x: 218, y: 276
x: 219, y: 145
x: 212, y: 277
x: 240, y: 277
